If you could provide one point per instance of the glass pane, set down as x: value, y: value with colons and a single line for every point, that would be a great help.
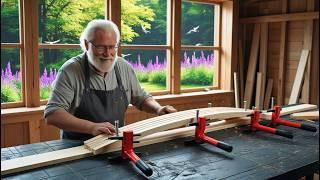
x: 150, y: 67
x: 197, y: 69
x: 11, y: 85
x: 63, y: 21
x: 9, y: 21
x: 144, y: 22
x: 197, y: 25
x: 50, y: 62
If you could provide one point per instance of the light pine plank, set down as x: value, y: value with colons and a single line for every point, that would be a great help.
x: 252, y: 65
x: 263, y: 62
x: 295, y: 92
x: 236, y: 90
x: 268, y: 94
x: 311, y: 115
x: 290, y: 110
x: 258, y: 90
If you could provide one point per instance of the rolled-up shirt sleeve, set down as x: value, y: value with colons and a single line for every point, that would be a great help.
x: 62, y: 94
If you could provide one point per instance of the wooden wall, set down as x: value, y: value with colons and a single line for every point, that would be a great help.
x: 285, y: 41
x: 26, y: 125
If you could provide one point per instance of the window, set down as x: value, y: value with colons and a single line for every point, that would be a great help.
x: 147, y: 43
x: 11, y: 84
x: 144, y: 41
x: 197, y: 44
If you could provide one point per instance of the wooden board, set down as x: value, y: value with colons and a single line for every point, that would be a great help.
x: 296, y: 89
x: 311, y: 115
x: 263, y: 61
x: 258, y: 90
x: 267, y: 96
x: 290, y: 110
x: 64, y: 155
x: 99, y: 143
x: 252, y: 65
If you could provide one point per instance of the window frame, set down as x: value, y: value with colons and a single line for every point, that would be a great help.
x: 30, y: 47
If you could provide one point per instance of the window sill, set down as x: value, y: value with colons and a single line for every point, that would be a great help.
x: 168, y: 99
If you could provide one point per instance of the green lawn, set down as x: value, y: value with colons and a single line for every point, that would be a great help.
x: 156, y: 87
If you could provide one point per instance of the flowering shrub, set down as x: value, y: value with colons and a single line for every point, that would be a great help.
x: 197, y: 71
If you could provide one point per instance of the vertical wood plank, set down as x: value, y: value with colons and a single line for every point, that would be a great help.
x: 241, y: 72
x: 282, y: 57
x: 30, y: 52
x: 174, y: 64
x: 263, y: 63
x: 258, y: 90
x: 296, y: 88
x: 268, y: 94
x: 307, y: 44
x: 236, y: 90
x: 252, y: 65
x: 34, y: 129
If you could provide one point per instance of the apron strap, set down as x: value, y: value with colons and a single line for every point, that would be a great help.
x: 86, y: 73
x: 119, y: 81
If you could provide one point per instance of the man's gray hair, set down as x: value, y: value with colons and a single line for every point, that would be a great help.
x: 88, y: 32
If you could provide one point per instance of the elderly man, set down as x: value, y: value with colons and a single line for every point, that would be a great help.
x: 93, y: 89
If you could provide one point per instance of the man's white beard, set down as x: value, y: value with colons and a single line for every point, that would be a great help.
x: 102, y: 65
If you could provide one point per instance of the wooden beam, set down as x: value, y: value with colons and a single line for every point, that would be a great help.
x: 252, y: 65
x: 296, y: 89
x: 281, y: 17
x: 267, y: 96
x: 263, y: 63
x: 241, y: 72
x: 290, y: 110
x: 174, y: 62
x: 307, y: 44
x: 282, y: 57
x: 311, y: 115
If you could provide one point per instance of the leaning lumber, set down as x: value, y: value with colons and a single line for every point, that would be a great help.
x: 169, y: 121
x: 311, y: 115
x: 64, y: 155
x: 290, y: 110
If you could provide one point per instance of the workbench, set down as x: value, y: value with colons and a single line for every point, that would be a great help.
x: 255, y: 155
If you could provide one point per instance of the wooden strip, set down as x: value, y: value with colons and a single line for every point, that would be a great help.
x: 290, y: 110
x: 268, y: 94
x: 174, y: 121
x: 50, y: 158
x: 307, y: 44
x: 236, y: 91
x: 258, y: 90
x: 241, y: 71
x: 252, y: 65
x: 263, y: 63
x: 282, y: 17
x: 312, y: 115
x: 282, y: 56
x: 299, y: 76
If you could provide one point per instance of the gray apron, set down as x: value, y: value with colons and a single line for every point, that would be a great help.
x: 100, y: 105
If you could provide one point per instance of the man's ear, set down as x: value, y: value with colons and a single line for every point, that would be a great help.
x: 86, y: 44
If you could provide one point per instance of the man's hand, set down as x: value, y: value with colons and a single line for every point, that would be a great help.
x: 166, y: 110
x: 99, y: 128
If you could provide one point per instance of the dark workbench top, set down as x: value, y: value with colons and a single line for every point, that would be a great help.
x: 255, y: 155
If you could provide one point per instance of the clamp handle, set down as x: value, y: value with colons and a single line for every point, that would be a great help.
x: 144, y: 167
x: 224, y: 146
x: 284, y: 133
x: 308, y: 127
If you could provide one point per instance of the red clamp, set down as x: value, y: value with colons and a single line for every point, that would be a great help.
x: 255, y: 117
x: 277, y: 120
x: 200, y: 137
x: 128, y: 152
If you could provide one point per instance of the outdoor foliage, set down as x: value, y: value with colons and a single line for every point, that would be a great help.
x: 62, y: 21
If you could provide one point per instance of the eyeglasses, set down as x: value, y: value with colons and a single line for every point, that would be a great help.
x: 103, y: 49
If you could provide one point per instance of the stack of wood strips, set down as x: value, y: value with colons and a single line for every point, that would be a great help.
x: 99, y: 143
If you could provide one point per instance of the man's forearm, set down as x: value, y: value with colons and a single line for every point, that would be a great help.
x: 151, y: 106
x: 66, y: 121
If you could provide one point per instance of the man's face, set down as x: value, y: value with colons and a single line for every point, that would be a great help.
x: 102, y: 50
